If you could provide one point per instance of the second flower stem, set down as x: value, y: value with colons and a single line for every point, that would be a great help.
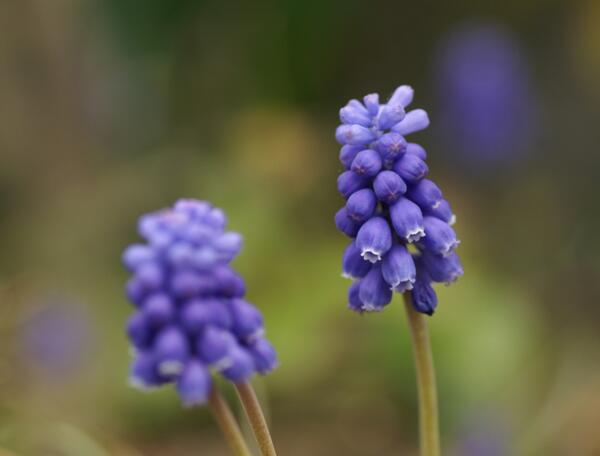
x: 227, y: 423
x: 429, y: 434
x: 256, y: 417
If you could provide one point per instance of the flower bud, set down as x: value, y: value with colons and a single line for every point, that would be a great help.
x: 213, y: 346
x: 353, y: 264
x: 425, y: 193
x: 443, y: 269
x: 194, y: 385
x: 361, y: 205
x: 264, y: 355
x: 388, y: 187
x: 171, y: 351
x: 247, y: 322
x: 372, y: 103
x: 403, y: 96
x: 416, y: 149
x: 348, y: 153
x: 242, y: 365
x: 414, y: 121
x: 367, y: 163
x: 390, y: 115
x: 354, y: 135
x: 350, y: 114
x: 410, y: 168
x: 158, y: 309
x: 345, y: 224
x: 440, y: 238
x: 374, y: 292
x: 349, y: 182
x: 374, y: 239
x: 424, y: 299
x: 354, y: 302
x: 407, y: 220
x: 398, y: 269
x: 391, y: 146
x: 137, y: 254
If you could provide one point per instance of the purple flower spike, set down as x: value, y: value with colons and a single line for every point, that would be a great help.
x: 353, y: 264
x: 374, y: 239
x: 374, y: 292
x: 389, y: 187
x: 389, y: 205
x: 398, y: 269
x: 190, y: 316
x: 407, y: 220
x: 361, y: 205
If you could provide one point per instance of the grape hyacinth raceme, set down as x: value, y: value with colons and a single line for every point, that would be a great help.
x: 191, y: 316
x: 399, y: 221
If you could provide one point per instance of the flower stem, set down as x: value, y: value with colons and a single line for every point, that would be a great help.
x: 429, y: 434
x: 227, y: 423
x: 256, y: 417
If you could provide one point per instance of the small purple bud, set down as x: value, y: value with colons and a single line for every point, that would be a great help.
x: 411, y: 168
x: 416, y: 149
x: 425, y: 193
x: 137, y: 254
x: 354, y: 103
x: 361, y: 205
x: 242, y: 365
x: 205, y: 258
x: 348, y: 153
x: 442, y: 211
x: 198, y: 234
x: 194, y: 385
x: 349, y: 182
x: 198, y: 313
x: 374, y: 291
x: 372, y: 103
x: 171, y: 351
x: 228, y: 245
x: 191, y: 207
x: 216, y: 218
x: 264, y: 355
x: 423, y: 296
x: 414, y: 121
x: 180, y: 254
x: 350, y: 114
x: 403, y: 96
x: 345, y: 224
x: 367, y: 163
x: 443, y: 269
x: 354, y: 302
x: 150, y: 276
x: 138, y: 331
x: 213, y: 346
x: 135, y: 290
x: 407, y: 220
x: 188, y: 284
x: 388, y: 187
x: 353, y: 264
x: 391, y: 146
x: 143, y: 373
x: 247, y: 322
x: 374, y: 239
x: 398, y: 269
x: 158, y: 309
x: 229, y: 283
x: 390, y: 115
x: 439, y: 238
x: 354, y: 135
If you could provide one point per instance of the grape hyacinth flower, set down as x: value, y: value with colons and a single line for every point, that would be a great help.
x: 191, y: 318
x: 400, y: 228
x: 398, y: 219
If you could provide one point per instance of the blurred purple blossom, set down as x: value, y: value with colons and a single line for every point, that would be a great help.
x: 487, y: 108
x: 56, y: 339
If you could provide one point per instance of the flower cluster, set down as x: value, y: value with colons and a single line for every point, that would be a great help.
x: 191, y: 317
x: 398, y: 219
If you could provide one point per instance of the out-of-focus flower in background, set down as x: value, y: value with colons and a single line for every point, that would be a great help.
x: 487, y: 113
x: 56, y: 339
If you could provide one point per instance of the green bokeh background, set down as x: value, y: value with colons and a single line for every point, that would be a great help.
x: 113, y: 108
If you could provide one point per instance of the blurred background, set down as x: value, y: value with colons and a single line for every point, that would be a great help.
x: 113, y: 108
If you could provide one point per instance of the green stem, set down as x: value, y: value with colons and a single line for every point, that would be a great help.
x: 256, y: 417
x: 429, y: 434
x: 227, y: 423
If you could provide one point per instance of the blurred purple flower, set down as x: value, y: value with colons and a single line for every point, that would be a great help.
x: 389, y: 205
x: 487, y: 109
x: 56, y: 339
x: 191, y: 317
